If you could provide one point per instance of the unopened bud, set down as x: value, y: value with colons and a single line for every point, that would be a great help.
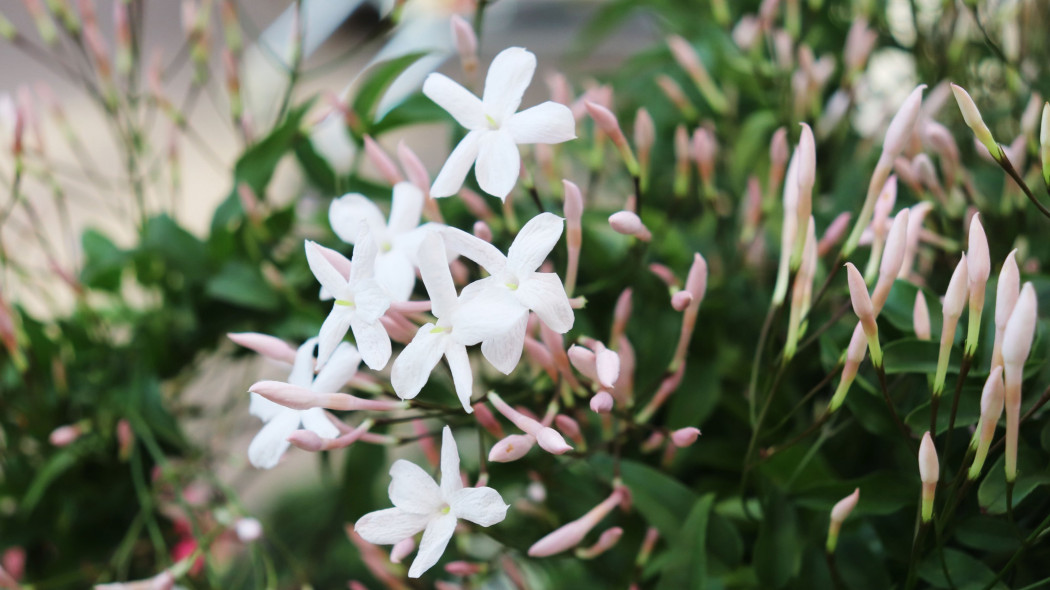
x: 483, y: 231
x: 921, y: 317
x: 64, y: 435
x: 1044, y: 143
x: 248, y: 529
x: 629, y: 224
x: 684, y: 437
x: 1007, y: 290
x: 951, y: 309
x: 681, y: 300
x: 992, y: 400
x: 466, y: 44
x: 865, y: 311
x: 602, y: 402
x: 929, y: 473
x: 975, y: 122
x: 1017, y: 343
x: 606, y: 541
x: 384, y: 165
x: 902, y: 125
x: 839, y: 513
x: 511, y: 448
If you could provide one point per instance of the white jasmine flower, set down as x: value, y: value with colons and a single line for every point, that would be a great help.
x: 420, y: 504
x: 270, y: 444
x: 359, y: 303
x: 461, y: 322
x: 516, y: 275
x: 396, y: 240
x: 495, y: 125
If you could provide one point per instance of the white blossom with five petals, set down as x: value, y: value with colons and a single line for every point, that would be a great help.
x: 462, y: 321
x: 270, y: 444
x: 359, y: 303
x: 420, y: 504
x: 516, y: 275
x: 396, y: 240
x: 496, y: 128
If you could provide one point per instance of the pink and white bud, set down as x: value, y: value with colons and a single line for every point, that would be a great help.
x: 463, y: 568
x: 929, y: 473
x: 862, y: 306
x: 747, y: 32
x: 402, y: 549
x: 992, y: 403
x: 511, y: 448
x: 778, y: 158
x: 681, y: 300
x: 466, y: 43
x: 854, y: 357
x: 607, y: 122
x: 958, y: 287
x: 486, y: 420
x: 892, y: 259
x: 978, y: 261
x: 475, y: 204
x: 65, y: 435
x: 621, y: 315
x: 569, y: 427
x: 696, y: 280
x: 608, y: 539
x: 685, y: 55
x: 644, y: 138
x: 571, y: 534
x: 921, y: 317
x: 560, y: 89
x: 834, y: 234
x: 664, y: 274
x: 684, y: 437
x: 676, y: 95
x: 382, y: 162
x: 629, y: 224
x: 552, y: 442
x: 301, y: 398
x: 975, y: 122
x: 482, y: 231
x: 839, y: 512
x: 916, y: 218
x: 584, y: 360
x: 902, y: 125
x: 248, y: 529
x: 602, y: 402
x: 704, y: 151
x: 125, y: 438
x: 1017, y: 343
x: 13, y: 561
x: 1008, y: 289
x: 414, y: 169
x: 607, y: 365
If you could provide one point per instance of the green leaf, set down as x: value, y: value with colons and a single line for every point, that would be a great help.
x: 170, y: 255
x: 1030, y: 475
x: 912, y: 355
x: 987, y: 534
x: 414, y: 110
x: 967, y: 573
x: 316, y: 168
x: 376, y: 83
x: 662, y: 500
x: 968, y: 413
x: 778, y: 552
x: 243, y: 285
x: 55, y: 467
x: 687, y: 564
x: 104, y: 262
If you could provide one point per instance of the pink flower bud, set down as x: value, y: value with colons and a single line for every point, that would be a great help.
x: 64, y: 435
x: 621, y: 315
x: 955, y: 295
x: 992, y: 403
x: 301, y: 398
x: 696, y: 280
x: 569, y: 428
x: 977, y: 258
x: 892, y: 259
x: 607, y: 122
x: 608, y: 539
x: 569, y: 535
x: 778, y: 157
x: 921, y: 317
x: 675, y: 94
x: 684, y: 54
x: 929, y: 473
x: 602, y: 402
x: 14, y: 562
x: 684, y: 437
x: 306, y: 440
x: 487, y: 421
x: 975, y: 122
x: 584, y: 360
x: 413, y: 167
x: 628, y: 223
x: 1007, y: 291
x: 382, y: 162
x: 902, y: 125
x: 561, y: 91
x: 511, y: 448
x: 466, y: 43
x: 834, y: 234
x: 607, y: 365
x: 1020, y: 329
x: 462, y: 568
x: 681, y: 300
x: 402, y: 549
x: 483, y: 231
x: 552, y: 442
x: 664, y: 274
x: 858, y: 292
x: 538, y: 354
x: 704, y: 151
x: 125, y: 438
x: 807, y: 167
x: 655, y: 441
x: 843, y: 507
x: 644, y: 133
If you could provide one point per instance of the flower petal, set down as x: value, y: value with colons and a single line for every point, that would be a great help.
x: 396, y: 274
x: 326, y: 274
x: 386, y: 527
x: 509, y: 75
x: 412, y: 489
x: 363, y: 260
x: 460, y: 243
x: 303, y: 368
x: 462, y: 377
x: 339, y: 369
x: 548, y: 122
x: 370, y: 300
x: 262, y: 408
x: 481, y: 506
x: 544, y: 294
x: 433, y: 266
x: 372, y: 341
x: 492, y: 312
x: 317, y: 422
x: 406, y: 207
x: 499, y: 164
x: 503, y: 351
x: 450, y: 179
x: 461, y: 103
x: 332, y: 331
x: 348, y: 212
x: 451, y: 482
x: 436, y: 537
x: 534, y: 242
x: 412, y: 367
x: 272, y: 441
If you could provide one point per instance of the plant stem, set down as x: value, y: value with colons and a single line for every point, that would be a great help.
x: 881, y: 371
